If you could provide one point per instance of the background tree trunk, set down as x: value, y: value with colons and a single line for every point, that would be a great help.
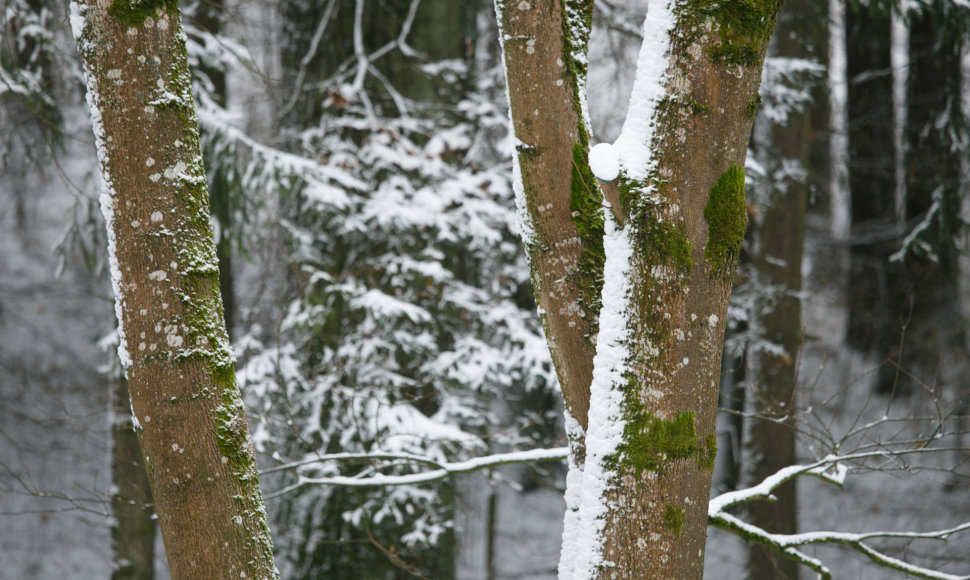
x: 777, y: 241
x: 173, y: 341
x: 133, y: 532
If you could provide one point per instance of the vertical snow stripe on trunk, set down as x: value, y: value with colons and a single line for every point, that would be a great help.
x: 79, y: 24
x: 606, y: 419
x: 633, y: 146
x: 576, y: 436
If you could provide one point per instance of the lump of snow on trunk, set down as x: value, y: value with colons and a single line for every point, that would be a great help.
x: 604, y: 162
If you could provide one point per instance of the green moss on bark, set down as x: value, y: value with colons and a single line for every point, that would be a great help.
x: 674, y: 518
x: 586, y: 199
x: 727, y: 218
x: 133, y: 13
x: 585, y: 205
x: 751, y: 107
x: 744, y: 27
x: 651, y: 443
x: 660, y: 241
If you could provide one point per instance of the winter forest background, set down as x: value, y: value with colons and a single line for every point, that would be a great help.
x: 379, y: 299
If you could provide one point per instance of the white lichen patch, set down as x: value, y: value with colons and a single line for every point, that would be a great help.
x: 149, y: 162
x: 712, y: 320
x: 132, y: 31
x: 524, y: 5
x: 530, y: 46
x: 175, y: 170
x: 157, y: 216
x: 155, y: 177
x: 158, y: 275
x: 114, y: 73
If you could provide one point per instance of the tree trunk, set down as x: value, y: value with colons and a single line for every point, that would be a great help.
x: 776, y: 253
x: 174, y: 347
x: 634, y: 298
x: 208, y: 17
x: 133, y: 532
x: 840, y: 195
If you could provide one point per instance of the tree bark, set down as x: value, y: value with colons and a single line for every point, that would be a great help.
x: 634, y: 298
x: 133, y: 532
x: 776, y: 252
x: 174, y: 346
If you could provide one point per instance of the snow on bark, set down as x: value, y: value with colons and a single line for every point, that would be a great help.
x: 574, y: 500
x: 633, y: 144
x: 606, y: 423
x: 79, y: 23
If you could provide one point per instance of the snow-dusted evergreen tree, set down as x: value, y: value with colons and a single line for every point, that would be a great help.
x: 409, y: 327
x: 28, y: 111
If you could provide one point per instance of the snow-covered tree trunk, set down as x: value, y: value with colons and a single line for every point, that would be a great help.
x: 173, y: 343
x: 634, y: 297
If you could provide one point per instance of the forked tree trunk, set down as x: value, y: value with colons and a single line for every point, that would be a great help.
x: 190, y: 419
x: 634, y: 298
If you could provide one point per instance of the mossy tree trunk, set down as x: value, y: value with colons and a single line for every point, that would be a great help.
x: 187, y: 410
x: 634, y: 297
x: 208, y: 17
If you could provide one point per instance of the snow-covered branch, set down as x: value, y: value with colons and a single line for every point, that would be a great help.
x: 831, y: 468
x: 441, y: 470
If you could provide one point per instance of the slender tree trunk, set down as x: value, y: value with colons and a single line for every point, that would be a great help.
x: 634, y: 298
x: 133, y: 532
x: 899, y: 61
x: 174, y: 347
x: 777, y: 243
x: 963, y: 264
x: 840, y: 196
